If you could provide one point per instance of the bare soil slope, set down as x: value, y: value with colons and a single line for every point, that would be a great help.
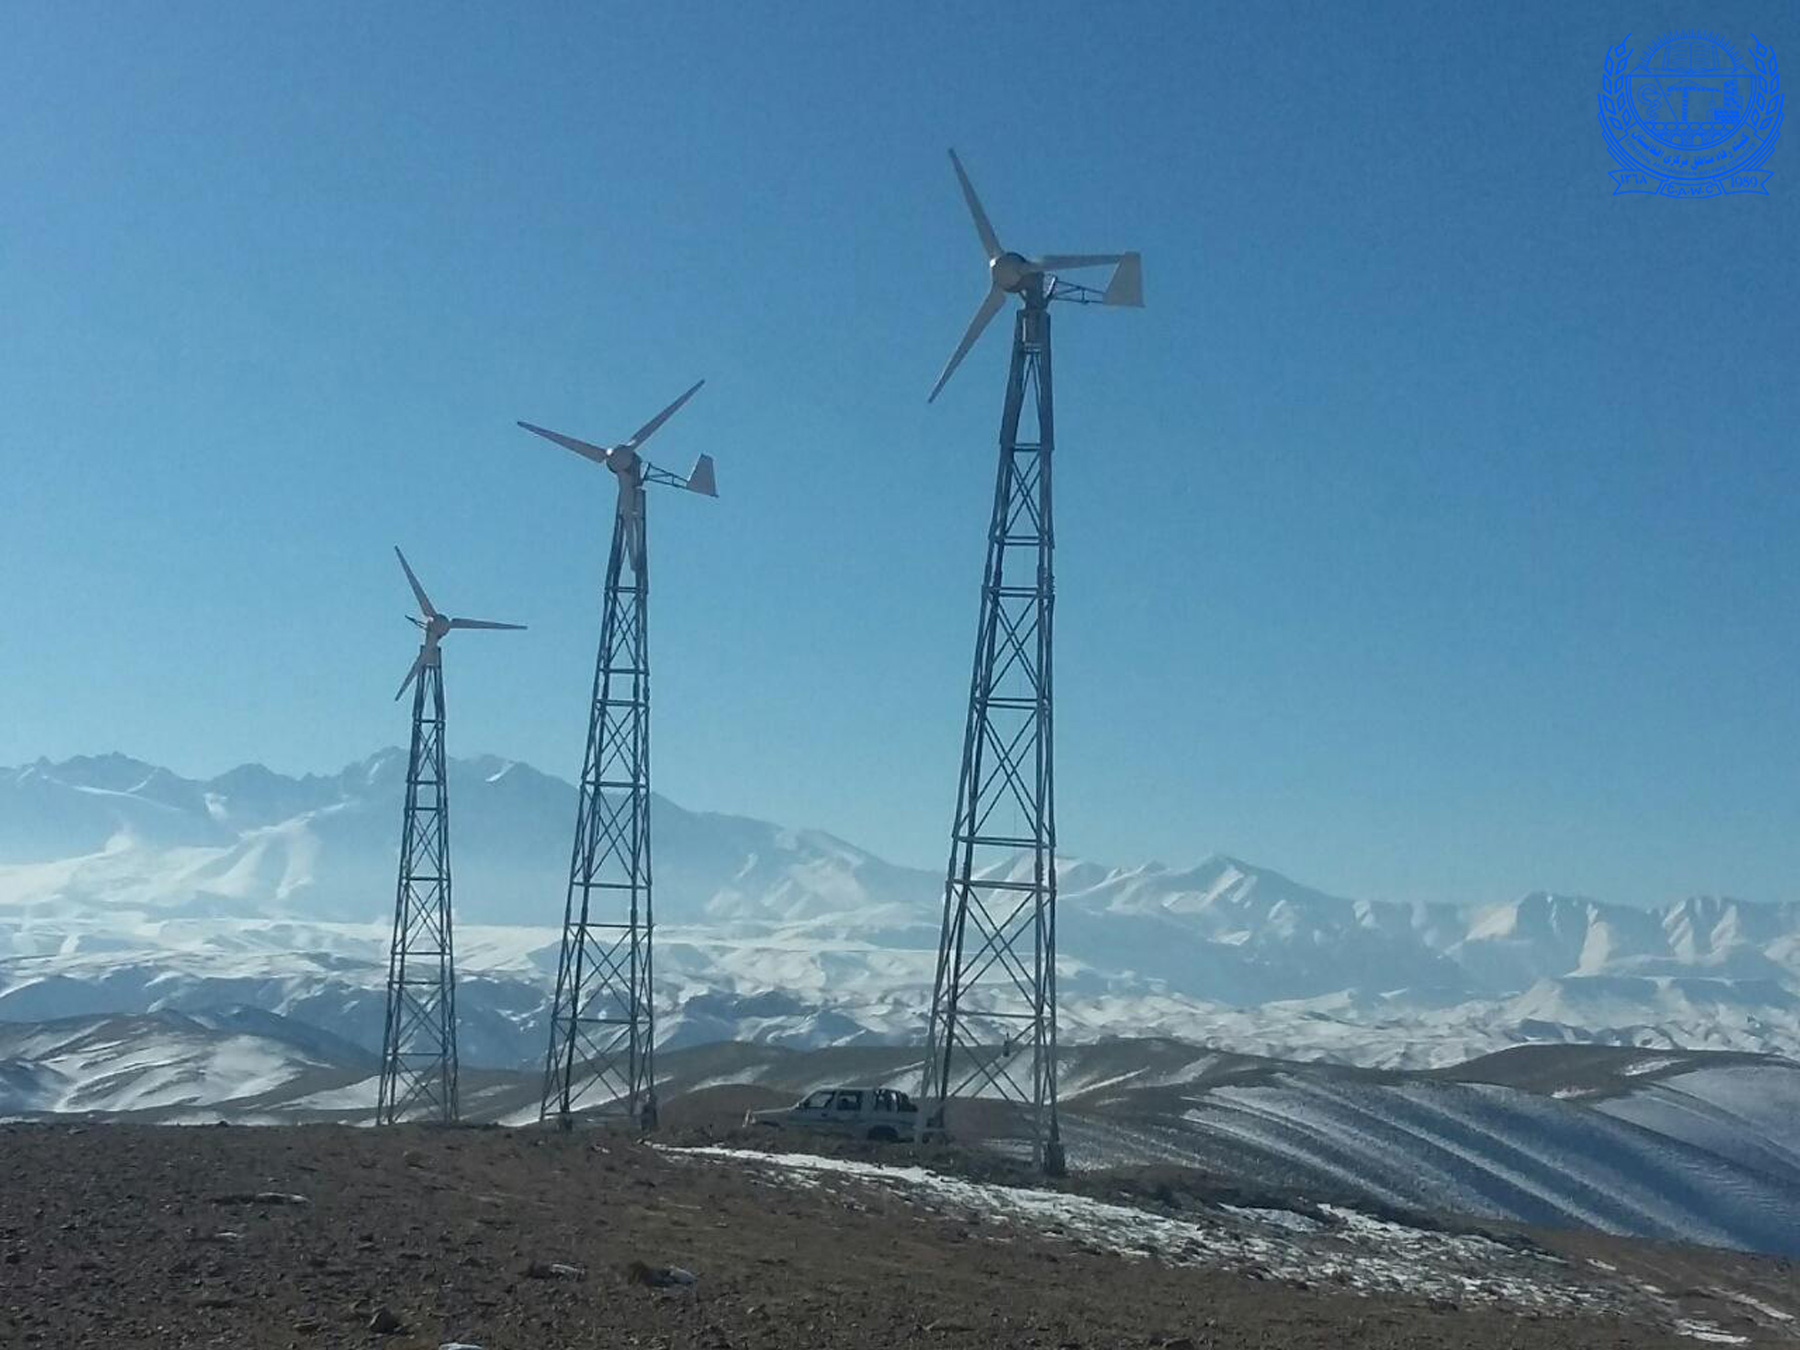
x: 126, y: 1236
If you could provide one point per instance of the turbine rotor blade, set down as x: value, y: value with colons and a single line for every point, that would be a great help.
x: 645, y: 432
x: 484, y: 623
x: 417, y: 665
x: 1055, y: 262
x: 989, y: 240
x: 598, y: 453
x: 989, y: 307
x: 418, y: 590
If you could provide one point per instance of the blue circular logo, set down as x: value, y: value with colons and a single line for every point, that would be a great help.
x: 1689, y: 118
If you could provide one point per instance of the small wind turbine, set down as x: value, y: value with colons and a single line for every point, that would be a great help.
x: 634, y: 472
x: 418, y: 1044
x: 994, y: 994
x: 1014, y: 274
x: 434, y: 626
x: 602, y: 1025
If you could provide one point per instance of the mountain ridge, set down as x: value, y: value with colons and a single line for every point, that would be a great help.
x: 124, y: 887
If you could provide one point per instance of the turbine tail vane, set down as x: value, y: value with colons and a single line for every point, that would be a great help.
x: 1127, y: 284
x: 701, y: 480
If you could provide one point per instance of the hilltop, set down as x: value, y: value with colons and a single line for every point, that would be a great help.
x: 272, y: 1238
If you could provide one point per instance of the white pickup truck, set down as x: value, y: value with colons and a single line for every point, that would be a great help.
x: 860, y: 1112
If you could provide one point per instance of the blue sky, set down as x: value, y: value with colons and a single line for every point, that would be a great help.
x: 1434, y: 532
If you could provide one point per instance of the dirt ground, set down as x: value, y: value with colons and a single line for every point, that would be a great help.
x: 124, y: 1236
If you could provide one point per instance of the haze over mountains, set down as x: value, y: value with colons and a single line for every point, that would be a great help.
x: 125, y: 889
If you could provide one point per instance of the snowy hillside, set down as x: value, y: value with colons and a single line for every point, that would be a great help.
x: 126, y: 889
x: 1679, y: 1146
x: 121, y: 1065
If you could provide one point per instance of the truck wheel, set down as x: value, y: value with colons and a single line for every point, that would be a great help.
x: 884, y: 1135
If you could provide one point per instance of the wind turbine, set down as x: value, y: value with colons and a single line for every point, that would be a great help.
x: 418, y: 1044
x: 602, y: 1026
x: 993, y: 1000
x: 1036, y: 280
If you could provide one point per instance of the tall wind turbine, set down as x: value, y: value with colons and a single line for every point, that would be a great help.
x: 602, y: 1027
x: 992, y: 1029
x: 418, y: 1045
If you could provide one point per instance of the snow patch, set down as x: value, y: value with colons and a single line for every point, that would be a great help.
x: 1706, y: 1331
x: 1357, y: 1253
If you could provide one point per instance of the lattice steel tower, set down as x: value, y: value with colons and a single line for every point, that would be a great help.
x: 418, y: 1043
x: 992, y: 1027
x: 601, y: 1055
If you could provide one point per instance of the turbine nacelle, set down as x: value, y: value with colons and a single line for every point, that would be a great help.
x: 1012, y: 273
x: 433, y: 628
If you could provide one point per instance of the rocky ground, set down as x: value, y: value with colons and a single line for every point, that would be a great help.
x: 124, y: 1236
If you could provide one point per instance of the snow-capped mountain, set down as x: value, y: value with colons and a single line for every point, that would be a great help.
x: 111, y: 830
x: 127, y: 889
